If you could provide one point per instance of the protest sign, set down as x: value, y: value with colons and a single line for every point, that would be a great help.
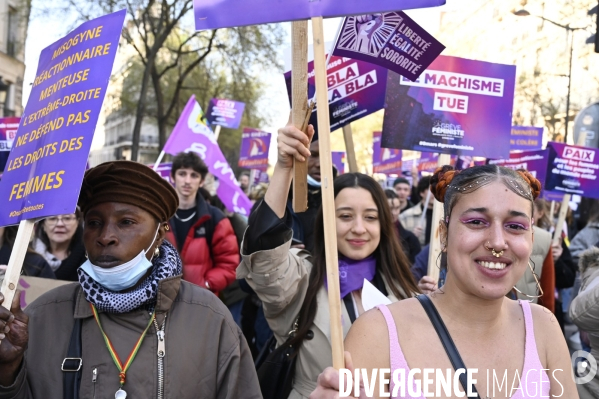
x: 226, y: 113
x: 45, y: 168
x: 573, y: 170
x: 164, y: 170
x: 191, y: 134
x: 392, y: 40
x: 533, y: 161
x: 526, y: 138
x: 213, y: 14
x: 8, y: 131
x: 254, y: 149
x: 258, y: 176
x: 457, y: 106
x: 384, y: 160
x: 339, y: 161
x: 356, y: 89
x: 33, y: 287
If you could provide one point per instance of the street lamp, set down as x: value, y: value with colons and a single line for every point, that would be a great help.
x: 569, y: 29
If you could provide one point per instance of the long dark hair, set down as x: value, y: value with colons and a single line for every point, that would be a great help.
x: 391, y: 261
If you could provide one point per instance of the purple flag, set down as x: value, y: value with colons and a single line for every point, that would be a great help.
x: 339, y: 161
x: 164, y: 170
x: 254, y: 149
x: 573, y: 170
x: 384, y: 160
x: 191, y: 134
x: 526, y: 138
x: 458, y: 106
x: 214, y: 14
x: 356, y: 89
x: 8, y: 131
x: 226, y: 113
x: 392, y: 40
x: 49, y: 153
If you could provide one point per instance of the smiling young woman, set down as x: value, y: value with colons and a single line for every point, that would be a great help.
x: 291, y: 282
x: 487, y: 234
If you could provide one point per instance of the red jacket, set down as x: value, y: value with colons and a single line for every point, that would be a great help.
x: 215, y: 263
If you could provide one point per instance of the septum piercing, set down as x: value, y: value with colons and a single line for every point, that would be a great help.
x: 493, y: 252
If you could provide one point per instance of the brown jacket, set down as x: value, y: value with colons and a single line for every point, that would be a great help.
x: 206, y: 354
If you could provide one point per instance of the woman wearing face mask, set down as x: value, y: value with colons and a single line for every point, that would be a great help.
x: 291, y: 283
x: 59, y: 239
x: 145, y: 332
x: 487, y: 234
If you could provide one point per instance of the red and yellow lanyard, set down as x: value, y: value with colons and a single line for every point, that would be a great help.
x: 115, y: 357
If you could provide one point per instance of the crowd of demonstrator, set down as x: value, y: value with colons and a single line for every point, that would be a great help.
x: 140, y: 249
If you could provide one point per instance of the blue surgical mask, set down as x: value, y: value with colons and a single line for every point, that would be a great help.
x: 313, y: 182
x: 123, y: 276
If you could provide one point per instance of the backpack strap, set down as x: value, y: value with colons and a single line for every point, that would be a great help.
x: 448, y: 345
x: 72, y: 364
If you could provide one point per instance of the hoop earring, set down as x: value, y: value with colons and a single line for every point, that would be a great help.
x: 539, y: 289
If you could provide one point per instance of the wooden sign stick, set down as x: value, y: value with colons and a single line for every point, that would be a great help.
x: 15, y: 263
x: 328, y: 200
x: 299, y: 106
x: 435, y: 239
x: 216, y: 132
x: 349, y: 149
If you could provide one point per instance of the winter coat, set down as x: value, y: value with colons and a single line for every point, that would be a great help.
x: 584, y: 309
x: 34, y: 264
x: 206, y: 354
x: 67, y: 270
x: 213, y: 262
x: 585, y: 239
x: 279, y: 276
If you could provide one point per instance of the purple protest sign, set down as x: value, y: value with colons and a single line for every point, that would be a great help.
x: 392, y: 40
x: 214, y: 14
x: 191, y: 134
x: 45, y: 168
x: 526, y: 138
x: 356, y: 89
x: 254, y: 149
x: 226, y: 113
x: 573, y: 170
x: 164, y: 170
x: 8, y: 131
x: 533, y: 161
x: 339, y: 161
x: 384, y: 160
x: 457, y: 106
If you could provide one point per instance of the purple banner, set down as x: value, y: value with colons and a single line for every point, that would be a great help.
x: 526, y: 138
x: 226, y: 113
x: 457, y: 106
x: 8, y: 131
x: 254, y: 149
x: 384, y: 160
x: 339, y: 161
x: 214, y: 14
x: 573, y: 170
x: 46, y: 164
x: 191, y: 134
x: 259, y: 177
x: 356, y: 89
x: 164, y: 170
x: 392, y: 40
x: 533, y: 161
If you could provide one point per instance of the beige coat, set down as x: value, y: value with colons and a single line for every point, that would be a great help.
x: 280, y: 278
x: 410, y: 219
x: 206, y: 354
x: 540, y: 249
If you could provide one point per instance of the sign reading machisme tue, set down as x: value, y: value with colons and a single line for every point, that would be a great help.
x: 457, y: 106
x: 49, y: 153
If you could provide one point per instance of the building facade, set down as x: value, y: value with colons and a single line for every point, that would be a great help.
x: 14, y: 19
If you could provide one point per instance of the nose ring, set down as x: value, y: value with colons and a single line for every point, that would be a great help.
x: 493, y: 252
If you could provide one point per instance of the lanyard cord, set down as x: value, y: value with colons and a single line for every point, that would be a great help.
x: 115, y: 357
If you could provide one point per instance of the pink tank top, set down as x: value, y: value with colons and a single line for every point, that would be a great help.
x: 536, y: 385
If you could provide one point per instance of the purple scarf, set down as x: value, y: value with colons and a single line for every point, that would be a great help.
x: 353, y: 272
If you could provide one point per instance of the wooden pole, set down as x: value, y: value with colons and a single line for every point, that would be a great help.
x: 435, y: 239
x: 299, y: 107
x: 328, y: 201
x: 216, y: 132
x: 349, y: 149
x: 551, y: 210
x: 160, y: 156
x: 15, y: 263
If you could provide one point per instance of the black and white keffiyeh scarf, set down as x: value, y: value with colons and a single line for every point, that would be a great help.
x: 165, y: 265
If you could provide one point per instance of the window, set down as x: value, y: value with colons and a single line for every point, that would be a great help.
x: 13, y: 26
